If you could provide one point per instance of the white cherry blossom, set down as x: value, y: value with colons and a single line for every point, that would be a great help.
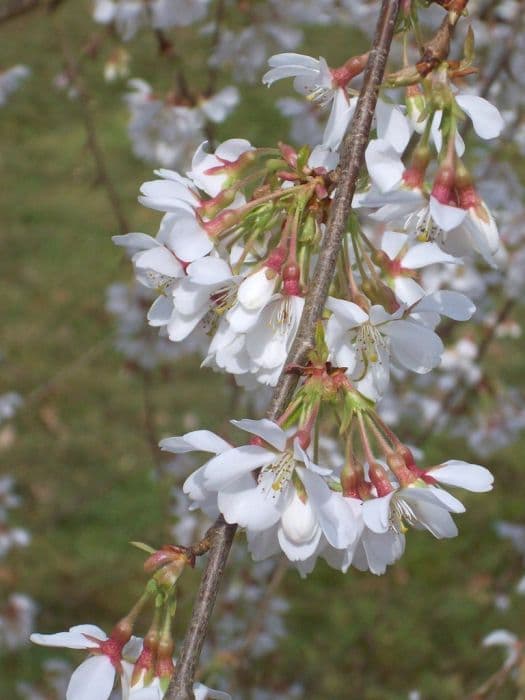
x: 365, y: 343
x: 210, y: 171
x: 94, y: 678
x: 313, y: 78
x: 288, y: 497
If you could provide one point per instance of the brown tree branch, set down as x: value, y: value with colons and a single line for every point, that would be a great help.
x: 352, y: 156
x: 14, y: 8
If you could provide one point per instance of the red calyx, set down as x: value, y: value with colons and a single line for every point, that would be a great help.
x: 276, y: 259
x: 291, y: 276
x: 468, y: 197
x: 414, y: 178
x: 443, y: 185
x: 345, y: 73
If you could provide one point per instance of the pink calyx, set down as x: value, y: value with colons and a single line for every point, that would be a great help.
x: 291, y: 277
x: 344, y: 74
x: 443, y: 186
x: 111, y: 647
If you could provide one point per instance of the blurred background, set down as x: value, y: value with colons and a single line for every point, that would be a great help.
x: 81, y: 446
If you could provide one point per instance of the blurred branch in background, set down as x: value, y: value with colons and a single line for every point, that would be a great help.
x: 92, y: 141
x: 9, y: 9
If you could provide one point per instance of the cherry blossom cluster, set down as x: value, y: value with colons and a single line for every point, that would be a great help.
x: 233, y: 260
x: 142, y: 666
x: 351, y: 505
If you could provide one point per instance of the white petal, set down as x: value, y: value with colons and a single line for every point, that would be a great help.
x: 188, y: 240
x: 338, y: 121
x: 423, y: 254
x: 232, y: 149
x: 160, y: 311
x: 384, y: 165
x: 335, y: 515
x: 445, y: 216
x: 232, y: 464
x: 209, y: 271
x: 74, y: 639
x: 472, y: 477
x: 500, y: 638
x: 289, y: 58
x: 392, y: 125
x: 376, y: 513
x: 447, y: 303
x: 257, y: 289
x: 139, y: 241
x: 92, y: 680
x: 486, y: 119
x: 202, y: 692
x: 298, y: 552
x: 392, y: 243
x: 408, y: 290
x: 160, y: 260
x: 264, y: 428
x: 244, y: 504
x: 436, y: 519
x: 201, y: 440
x: 349, y: 313
x: 292, y: 71
x: 433, y: 496
x: 414, y: 346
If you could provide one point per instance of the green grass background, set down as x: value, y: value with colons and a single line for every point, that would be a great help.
x: 79, y: 451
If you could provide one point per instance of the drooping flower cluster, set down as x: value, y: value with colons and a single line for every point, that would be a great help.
x: 352, y: 510
x: 142, y: 666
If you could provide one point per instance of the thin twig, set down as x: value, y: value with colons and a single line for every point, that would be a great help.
x: 352, y: 156
x: 92, y: 142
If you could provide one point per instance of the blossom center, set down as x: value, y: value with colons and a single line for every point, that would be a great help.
x: 370, y: 342
x: 401, y: 511
x: 281, y: 469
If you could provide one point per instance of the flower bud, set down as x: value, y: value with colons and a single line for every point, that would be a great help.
x: 416, y: 107
x: 443, y: 184
x: 398, y: 466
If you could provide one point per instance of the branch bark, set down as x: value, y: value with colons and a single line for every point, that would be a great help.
x: 352, y: 157
x: 15, y: 8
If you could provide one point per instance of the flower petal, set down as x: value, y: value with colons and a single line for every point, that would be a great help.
x: 92, y: 680
x: 265, y: 429
x: 230, y: 465
x: 472, y: 477
x: 376, y: 513
x: 486, y: 119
